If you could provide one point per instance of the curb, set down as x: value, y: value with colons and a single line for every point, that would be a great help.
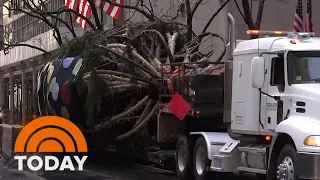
x: 13, y: 174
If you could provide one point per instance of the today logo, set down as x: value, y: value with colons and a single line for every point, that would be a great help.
x: 51, y: 134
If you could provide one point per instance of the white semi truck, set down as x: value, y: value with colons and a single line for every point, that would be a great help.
x: 274, y: 126
x: 257, y: 114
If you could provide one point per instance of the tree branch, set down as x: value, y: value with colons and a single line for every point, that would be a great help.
x: 195, y: 7
x: 260, y: 13
x: 38, y: 11
x: 151, y: 8
x: 213, y: 16
x: 71, y: 11
x: 151, y: 17
x: 238, y: 7
x: 247, y: 14
x: 69, y: 27
x: 189, y: 20
x: 95, y: 14
x: 71, y: 21
x: 58, y: 37
x: 26, y: 45
x: 143, y: 5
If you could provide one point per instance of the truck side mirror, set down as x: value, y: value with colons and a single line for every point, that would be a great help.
x: 257, y: 72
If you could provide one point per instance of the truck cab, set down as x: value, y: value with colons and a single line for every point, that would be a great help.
x: 278, y: 82
x: 274, y: 127
x: 276, y: 91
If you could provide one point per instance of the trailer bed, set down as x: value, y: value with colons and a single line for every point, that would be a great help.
x: 203, y: 91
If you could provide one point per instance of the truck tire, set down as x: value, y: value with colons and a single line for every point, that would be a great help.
x: 183, y: 159
x: 201, y: 162
x: 287, y: 163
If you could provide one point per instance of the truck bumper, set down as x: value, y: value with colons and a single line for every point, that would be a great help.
x: 309, y: 165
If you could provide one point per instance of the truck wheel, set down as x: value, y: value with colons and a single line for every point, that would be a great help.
x: 200, y: 160
x: 287, y: 164
x: 183, y: 159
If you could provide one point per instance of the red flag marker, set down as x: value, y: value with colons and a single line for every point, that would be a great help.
x: 178, y: 106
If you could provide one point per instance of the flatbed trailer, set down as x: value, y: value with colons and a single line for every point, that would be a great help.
x: 258, y: 119
x: 258, y: 114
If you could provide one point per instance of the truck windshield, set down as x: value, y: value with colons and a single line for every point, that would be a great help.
x: 303, y: 67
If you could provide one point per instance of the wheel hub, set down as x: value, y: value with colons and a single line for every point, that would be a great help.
x: 200, y: 160
x: 182, y: 158
x: 285, y: 169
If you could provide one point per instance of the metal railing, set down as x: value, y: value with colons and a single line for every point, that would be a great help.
x: 17, y: 116
x: 27, y: 27
x: 178, y: 77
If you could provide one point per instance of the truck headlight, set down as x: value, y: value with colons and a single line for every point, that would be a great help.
x: 312, y: 141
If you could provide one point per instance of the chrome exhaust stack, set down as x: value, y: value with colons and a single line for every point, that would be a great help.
x: 232, y: 35
x: 228, y: 71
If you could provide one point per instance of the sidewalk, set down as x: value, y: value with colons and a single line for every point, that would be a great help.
x: 13, y: 174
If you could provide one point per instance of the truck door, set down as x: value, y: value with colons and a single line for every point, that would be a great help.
x: 276, y: 87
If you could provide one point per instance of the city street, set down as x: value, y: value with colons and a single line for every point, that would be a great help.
x: 108, y: 172
x: 115, y: 168
x: 13, y: 174
x: 108, y: 166
x: 112, y: 167
x: 97, y: 167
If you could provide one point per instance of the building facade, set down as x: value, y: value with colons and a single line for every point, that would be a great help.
x: 277, y: 15
x: 1, y: 26
x: 19, y: 65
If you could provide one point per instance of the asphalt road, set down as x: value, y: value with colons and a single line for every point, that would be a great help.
x: 112, y: 167
x: 109, y: 167
x: 97, y: 167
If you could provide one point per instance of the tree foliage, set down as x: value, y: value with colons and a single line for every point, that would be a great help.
x: 130, y: 61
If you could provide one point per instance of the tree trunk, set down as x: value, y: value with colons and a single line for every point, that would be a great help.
x: 189, y: 20
x: 248, y: 16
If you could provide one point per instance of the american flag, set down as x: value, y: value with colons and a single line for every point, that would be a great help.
x: 298, y: 18
x: 84, y: 8
x: 308, y: 22
x: 112, y: 10
x: 70, y: 4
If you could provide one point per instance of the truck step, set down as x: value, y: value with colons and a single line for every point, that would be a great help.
x: 221, y: 157
x: 252, y: 170
x: 254, y: 149
x: 218, y: 163
x: 217, y: 169
x: 223, y: 163
x: 228, y: 147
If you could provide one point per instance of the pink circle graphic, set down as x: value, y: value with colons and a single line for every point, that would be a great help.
x: 65, y: 93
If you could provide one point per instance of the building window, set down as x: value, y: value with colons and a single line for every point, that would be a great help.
x: 27, y: 27
x: 14, y: 4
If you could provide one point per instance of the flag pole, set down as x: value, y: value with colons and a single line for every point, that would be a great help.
x: 101, y: 16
